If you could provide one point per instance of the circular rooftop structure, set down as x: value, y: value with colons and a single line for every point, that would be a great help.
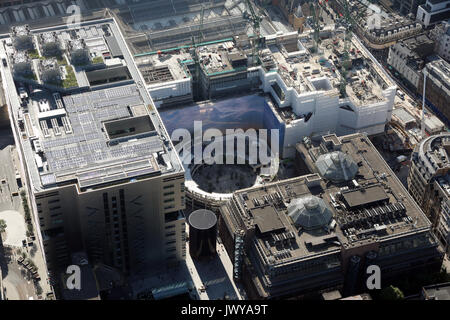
x: 202, y: 219
x: 337, y: 166
x: 202, y: 234
x: 309, y: 212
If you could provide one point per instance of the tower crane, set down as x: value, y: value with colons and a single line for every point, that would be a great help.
x: 315, y: 8
x: 196, y: 78
x: 256, y: 24
x: 350, y: 20
x: 200, y: 30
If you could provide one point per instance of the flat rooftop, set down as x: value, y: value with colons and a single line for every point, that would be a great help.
x: 93, y: 135
x: 292, y: 59
x: 221, y: 56
x: 372, y: 206
x: 322, y: 71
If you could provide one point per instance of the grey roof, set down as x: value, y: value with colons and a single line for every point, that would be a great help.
x: 309, y: 212
x: 403, y: 115
x: 202, y: 219
x: 337, y: 166
x: 113, y: 46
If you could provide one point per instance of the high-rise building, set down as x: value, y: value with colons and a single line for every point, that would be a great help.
x: 321, y: 231
x: 102, y: 175
x: 429, y: 182
x: 406, y: 7
x: 433, y: 11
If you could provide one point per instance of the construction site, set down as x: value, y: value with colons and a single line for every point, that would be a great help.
x: 320, y: 80
x: 101, y: 104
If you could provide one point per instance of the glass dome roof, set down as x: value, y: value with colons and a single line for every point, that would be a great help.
x: 337, y: 166
x: 309, y: 212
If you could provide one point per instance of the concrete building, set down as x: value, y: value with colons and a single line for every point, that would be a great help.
x: 22, y: 38
x: 78, y: 52
x: 406, y: 7
x: 408, y: 58
x: 8, y: 3
x: 433, y: 11
x: 49, y: 71
x: 309, y: 97
x: 429, y: 182
x: 21, y: 64
x: 437, y: 92
x: 319, y: 232
x: 49, y: 44
x: 378, y: 30
x: 441, y: 36
x: 102, y: 174
x: 436, y: 292
x: 404, y: 118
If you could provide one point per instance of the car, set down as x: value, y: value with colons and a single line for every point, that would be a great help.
x: 5, y: 64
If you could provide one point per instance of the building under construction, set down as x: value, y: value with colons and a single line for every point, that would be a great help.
x: 331, y: 85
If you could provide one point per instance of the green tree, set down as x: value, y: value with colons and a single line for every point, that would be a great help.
x: 392, y: 293
x: 2, y: 225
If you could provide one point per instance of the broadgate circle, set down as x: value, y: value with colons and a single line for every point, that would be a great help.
x: 201, y: 198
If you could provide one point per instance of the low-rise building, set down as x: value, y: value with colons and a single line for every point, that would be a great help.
x: 436, y: 292
x: 408, y: 57
x: 378, y: 29
x: 441, y: 36
x: 318, y: 232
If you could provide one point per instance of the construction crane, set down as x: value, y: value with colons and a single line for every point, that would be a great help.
x: 200, y: 28
x: 350, y: 20
x: 194, y: 54
x: 315, y: 14
x: 256, y: 24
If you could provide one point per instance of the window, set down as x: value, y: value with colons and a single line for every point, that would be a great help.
x: 170, y: 234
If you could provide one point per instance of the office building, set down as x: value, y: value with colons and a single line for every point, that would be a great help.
x: 433, y: 11
x: 429, y: 182
x: 441, y: 36
x: 320, y: 231
x: 408, y: 58
x: 102, y: 174
x: 437, y: 90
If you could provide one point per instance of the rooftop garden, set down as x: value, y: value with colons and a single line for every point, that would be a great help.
x: 97, y: 60
x: 70, y: 80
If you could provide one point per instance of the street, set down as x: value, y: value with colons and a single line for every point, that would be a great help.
x: 16, y: 278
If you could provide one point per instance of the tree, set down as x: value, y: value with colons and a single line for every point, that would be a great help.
x: 2, y: 225
x: 392, y: 293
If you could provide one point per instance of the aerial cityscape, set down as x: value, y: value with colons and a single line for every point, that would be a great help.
x: 237, y: 150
